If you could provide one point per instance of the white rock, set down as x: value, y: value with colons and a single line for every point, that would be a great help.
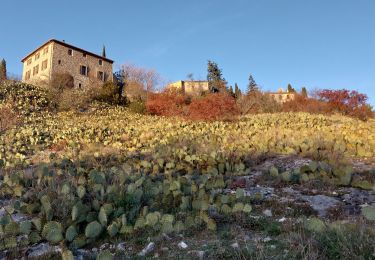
x: 166, y: 237
x: 104, y: 246
x: 267, y: 212
x: 197, y: 254
x: 43, y: 249
x: 182, y: 245
x: 267, y: 239
x: 282, y: 219
x: 235, y: 245
x: 121, y: 246
x: 148, y: 249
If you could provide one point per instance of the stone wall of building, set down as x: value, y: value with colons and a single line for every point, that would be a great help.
x: 54, y: 58
x: 37, y: 67
x: 282, y: 97
x: 190, y: 87
x: 67, y: 60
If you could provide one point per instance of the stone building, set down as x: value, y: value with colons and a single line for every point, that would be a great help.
x: 190, y: 87
x: 57, y: 57
x: 282, y: 96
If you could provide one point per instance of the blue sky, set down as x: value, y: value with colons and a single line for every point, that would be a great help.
x: 312, y: 43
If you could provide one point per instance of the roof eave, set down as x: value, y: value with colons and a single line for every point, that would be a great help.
x: 69, y: 46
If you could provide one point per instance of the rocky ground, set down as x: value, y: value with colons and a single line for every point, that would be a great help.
x: 279, y: 209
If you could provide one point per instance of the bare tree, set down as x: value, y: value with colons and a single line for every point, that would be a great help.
x: 139, y: 82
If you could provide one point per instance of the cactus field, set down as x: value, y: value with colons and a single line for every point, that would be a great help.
x: 80, y: 179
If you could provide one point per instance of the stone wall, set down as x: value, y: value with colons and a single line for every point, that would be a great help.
x: 63, y: 62
x: 282, y: 97
x: 60, y: 59
x: 45, y: 55
x: 190, y: 87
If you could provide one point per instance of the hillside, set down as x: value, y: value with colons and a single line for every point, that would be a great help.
x: 106, y: 180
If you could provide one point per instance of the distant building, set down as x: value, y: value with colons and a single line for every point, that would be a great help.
x: 282, y: 96
x: 57, y: 57
x: 190, y: 87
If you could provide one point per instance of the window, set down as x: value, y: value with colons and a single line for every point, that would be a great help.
x: 37, y: 56
x: 84, y: 55
x: 100, y: 62
x: 44, y: 64
x: 35, y: 70
x: 83, y: 70
x: 59, y: 62
x: 45, y: 50
x: 70, y: 52
x: 29, y: 61
x: 79, y: 85
x: 101, y: 75
x: 28, y: 74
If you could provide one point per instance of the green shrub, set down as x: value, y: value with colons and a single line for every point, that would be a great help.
x: 109, y: 93
x: 138, y: 107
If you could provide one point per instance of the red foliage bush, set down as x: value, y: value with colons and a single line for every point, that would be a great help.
x: 304, y: 104
x: 214, y: 106
x: 8, y: 117
x: 168, y: 103
x: 350, y: 103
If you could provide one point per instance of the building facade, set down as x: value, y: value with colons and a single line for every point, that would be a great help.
x: 190, y: 87
x: 55, y: 57
x: 282, y: 96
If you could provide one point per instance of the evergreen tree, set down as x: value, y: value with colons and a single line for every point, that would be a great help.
x: 304, y: 92
x: 216, y: 82
x: 3, y: 70
x: 237, y: 91
x: 103, y: 52
x: 252, y: 86
x: 291, y: 89
x: 231, y: 92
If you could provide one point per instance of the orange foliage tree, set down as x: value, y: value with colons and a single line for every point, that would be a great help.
x: 304, y: 104
x: 351, y: 103
x: 214, y: 106
x: 167, y: 103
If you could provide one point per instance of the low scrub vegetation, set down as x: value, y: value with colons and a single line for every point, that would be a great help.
x: 221, y: 106
x: 168, y: 103
x: 8, y: 117
x: 110, y: 174
x: 213, y: 107
x: 209, y: 107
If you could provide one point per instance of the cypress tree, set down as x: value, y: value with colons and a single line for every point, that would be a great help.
x: 237, y: 91
x: 291, y: 89
x: 252, y: 85
x: 216, y: 82
x: 103, y: 52
x: 304, y: 92
x: 3, y: 70
x: 231, y: 92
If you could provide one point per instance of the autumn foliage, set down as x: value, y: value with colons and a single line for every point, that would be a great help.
x: 222, y: 106
x: 350, y: 103
x: 214, y: 106
x: 168, y: 103
x: 304, y: 104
